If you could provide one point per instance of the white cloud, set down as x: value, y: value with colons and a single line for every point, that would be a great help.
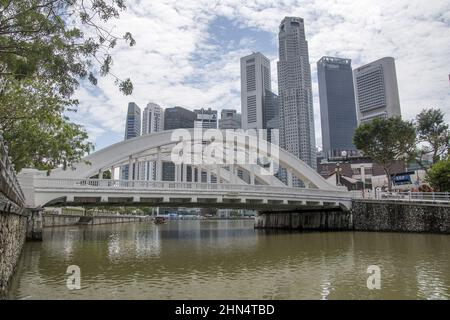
x: 174, y: 62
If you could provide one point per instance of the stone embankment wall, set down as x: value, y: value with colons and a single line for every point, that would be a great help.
x: 401, y: 217
x: 365, y: 215
x: 13, y: 229
x: 54, y: 220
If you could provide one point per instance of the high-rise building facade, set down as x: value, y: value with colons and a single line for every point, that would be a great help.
x: 152, y: 121
x: 376, y: 90
x: 255, y: 81
x: 337, y: 105
x: 205, y: 118
x: 271, y: 108
x: 133, y: 124
x: 271, y: 115
x: 297, y: 134
x: 178, y: 117
x: 230, y: 119
x: 132, y: 130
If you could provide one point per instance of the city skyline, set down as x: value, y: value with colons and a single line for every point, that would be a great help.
x: 205, y: 73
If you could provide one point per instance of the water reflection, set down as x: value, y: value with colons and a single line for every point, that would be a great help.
x: 230, y: 260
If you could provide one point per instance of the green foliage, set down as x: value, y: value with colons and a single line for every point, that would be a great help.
x: 33, y: 123
x: 46, y: 48
x: 59, y: 39
x: 120, y: 209
x: 439, y: 176
x: 386, y: 141
x: 433, y: 134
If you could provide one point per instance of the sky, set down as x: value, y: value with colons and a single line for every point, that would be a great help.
x: 187, y: 53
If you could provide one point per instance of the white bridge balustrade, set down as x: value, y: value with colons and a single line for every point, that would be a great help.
x: 235, y: 185
x: 169, y: 193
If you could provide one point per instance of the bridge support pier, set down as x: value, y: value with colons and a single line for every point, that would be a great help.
x: 34, y: 224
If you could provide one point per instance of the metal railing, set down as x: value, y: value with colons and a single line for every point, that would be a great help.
x: 9, y: 185
x: 430, y: 197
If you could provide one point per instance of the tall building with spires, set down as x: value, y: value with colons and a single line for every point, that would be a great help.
x: 296, y: 121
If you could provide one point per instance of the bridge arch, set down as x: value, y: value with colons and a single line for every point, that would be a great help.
x: 229, y: 190
x: 120, y: 153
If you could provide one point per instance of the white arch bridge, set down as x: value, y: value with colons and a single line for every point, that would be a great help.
x: 192, y: 183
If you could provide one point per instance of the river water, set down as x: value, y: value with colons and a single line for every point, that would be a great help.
x: 230, y: 260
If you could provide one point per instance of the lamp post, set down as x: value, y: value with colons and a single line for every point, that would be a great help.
x: 363, y: 179
x: 338, y: 171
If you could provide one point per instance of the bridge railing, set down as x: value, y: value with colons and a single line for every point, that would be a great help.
x: 432, y: 197
x: 9, y: 185
x: 46, y: 182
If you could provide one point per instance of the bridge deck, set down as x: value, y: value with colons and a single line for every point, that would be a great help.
x: 50, y: 191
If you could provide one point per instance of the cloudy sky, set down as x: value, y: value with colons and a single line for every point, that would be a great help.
x: 188, y: 52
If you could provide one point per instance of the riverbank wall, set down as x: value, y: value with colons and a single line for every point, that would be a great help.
x: 365, y: 215
x: 56, y: 220
x: 394, y: 216
x: 13, y: 230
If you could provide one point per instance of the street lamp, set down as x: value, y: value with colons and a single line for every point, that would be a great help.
x: 363, y: 179
x: 344, y: 159
x: 338, y: 171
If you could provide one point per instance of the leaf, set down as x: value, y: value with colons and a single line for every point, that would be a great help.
x: 126, y: 87
x: 129, y: 38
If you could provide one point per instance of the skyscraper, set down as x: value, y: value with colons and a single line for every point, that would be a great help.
x: 133, y: 124
x: 255, y: 81
x: 337, y: 105
x: 132, y: 130
x: 177, y: 118
x: 297, y: 134
x: 230, y: 119
x: 271, y: 114
x: 205, y: 118
x: 152, y: 121
x: 377, y: 90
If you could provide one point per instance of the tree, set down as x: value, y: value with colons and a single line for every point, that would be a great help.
x: 433, y: 133
x: 46, y: 48
x: 439, y: 176
x: 63, y: 40
x: 35, y: 128
x: 386, y: 141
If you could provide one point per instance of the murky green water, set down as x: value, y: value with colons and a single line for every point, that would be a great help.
x: 230, y: 260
